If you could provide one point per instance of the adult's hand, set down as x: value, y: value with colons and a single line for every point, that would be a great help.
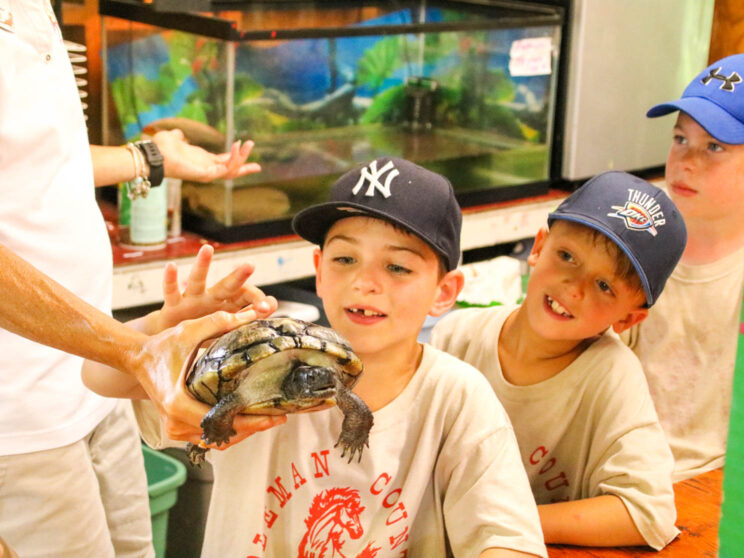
x: 189, y: 162
x: 162, y: 366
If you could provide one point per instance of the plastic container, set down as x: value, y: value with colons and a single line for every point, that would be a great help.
x: 164, y: 476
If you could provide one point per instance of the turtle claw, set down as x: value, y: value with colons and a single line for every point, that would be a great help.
x: 196, y: 454
x: 352, y: 446
x: 217, y: 423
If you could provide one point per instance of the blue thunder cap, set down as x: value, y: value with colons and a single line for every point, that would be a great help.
x: 715, y: 99
x: 638, y: 217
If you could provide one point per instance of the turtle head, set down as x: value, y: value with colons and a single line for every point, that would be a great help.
x: 305, y: 381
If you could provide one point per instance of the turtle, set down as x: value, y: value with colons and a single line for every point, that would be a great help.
x: 278, y: 366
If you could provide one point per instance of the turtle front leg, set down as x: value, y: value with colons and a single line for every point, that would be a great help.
x: 217, y: 423
x: 357, y: 422
x: 197, y: 455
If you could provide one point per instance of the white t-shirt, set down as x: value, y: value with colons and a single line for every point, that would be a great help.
x: 49, y: 217
x: 442, y: 476
x: 587, y: 431
x: 687, y: 346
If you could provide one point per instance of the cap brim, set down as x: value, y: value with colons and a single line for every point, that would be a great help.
x: 313, y: 223
x: 715, y: 120
x: 601, y: 227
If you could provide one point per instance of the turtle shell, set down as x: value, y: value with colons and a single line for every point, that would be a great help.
x: 259, y: 355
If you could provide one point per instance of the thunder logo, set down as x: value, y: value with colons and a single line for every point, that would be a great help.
x: 636, y: 217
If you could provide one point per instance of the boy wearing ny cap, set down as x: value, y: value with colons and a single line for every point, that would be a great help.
x: 442, y: 475
x: 688, y: 343
x: 590, y: 440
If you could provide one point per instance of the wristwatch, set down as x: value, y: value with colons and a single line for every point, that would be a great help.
x: 154, y: 160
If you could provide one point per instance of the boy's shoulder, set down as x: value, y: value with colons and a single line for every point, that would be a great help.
x: 476, y: 320
x: 453, y: 382
x: 608, y: 361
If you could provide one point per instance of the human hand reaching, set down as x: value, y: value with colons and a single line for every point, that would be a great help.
x: 190, y: 162
x: 231, y: 293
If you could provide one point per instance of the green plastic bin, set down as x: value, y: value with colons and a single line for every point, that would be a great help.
x: 164, y: 476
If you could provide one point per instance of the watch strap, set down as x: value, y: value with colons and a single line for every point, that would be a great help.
x: 154, y: 160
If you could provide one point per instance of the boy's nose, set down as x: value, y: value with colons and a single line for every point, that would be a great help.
x: 367, y: 282
x: 574, y: 288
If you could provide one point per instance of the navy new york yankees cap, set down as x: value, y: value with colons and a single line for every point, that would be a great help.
x: 395, y: 190
x: 638, y: 217
x: 715, y: 99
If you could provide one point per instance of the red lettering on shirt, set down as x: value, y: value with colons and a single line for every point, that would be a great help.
x: 299, y: 480
x: 556, y: 482
x: 385, y: 478
x: 260, y: 539
x: 535, y: 459
x: 269, y: 517
x: 402, y: 515
x: 399, y: 539
x: 280, y: 492
x: 390, y: 504
x: 548, y: 466
x: 321, y: 465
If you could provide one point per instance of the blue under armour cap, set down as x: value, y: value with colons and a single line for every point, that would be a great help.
x: 395, y: 190
x: 715, y: 99
x: 636, y: 215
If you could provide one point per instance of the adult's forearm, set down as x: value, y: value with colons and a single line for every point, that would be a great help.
x: 36, y: 307
x: 112, y: 165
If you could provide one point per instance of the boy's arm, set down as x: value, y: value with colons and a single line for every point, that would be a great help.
x: 599, y: 521
x: 503, y: 553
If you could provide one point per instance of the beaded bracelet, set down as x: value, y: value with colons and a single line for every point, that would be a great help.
x: 140, y: 185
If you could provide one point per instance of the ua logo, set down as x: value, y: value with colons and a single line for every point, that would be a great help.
x: 728, y: 82
x: 373, y: 175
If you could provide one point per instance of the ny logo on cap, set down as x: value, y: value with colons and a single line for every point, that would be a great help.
x: 373, y: 175
x: 728, y: 82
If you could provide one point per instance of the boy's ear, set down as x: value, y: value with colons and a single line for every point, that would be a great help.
x: 537, y: 246
x: 317, y: 256
x: 449, y: 287
x: 634, y: 317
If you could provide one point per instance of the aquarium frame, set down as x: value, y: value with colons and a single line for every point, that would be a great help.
x: 226, y: 29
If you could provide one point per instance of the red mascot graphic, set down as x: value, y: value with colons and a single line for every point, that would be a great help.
x: 333, y: 514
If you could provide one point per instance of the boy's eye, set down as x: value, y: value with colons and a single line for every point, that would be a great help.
x: 604, y: 286
x: 715, y: 147
x: 344, y: 259
x: 398, y: 269
x: 679, y: 139
x: 565, y: 256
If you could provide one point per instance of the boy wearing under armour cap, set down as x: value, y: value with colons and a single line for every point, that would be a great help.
x: 590, y: 440
x: 442, y: 475
x: 688, y: 343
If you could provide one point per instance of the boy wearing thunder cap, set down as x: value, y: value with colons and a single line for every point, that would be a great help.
x: 688, y: 343
x: 442, y: 475
x: 595, y: 453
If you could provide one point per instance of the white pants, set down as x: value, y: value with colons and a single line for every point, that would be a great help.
x: 88, y: 499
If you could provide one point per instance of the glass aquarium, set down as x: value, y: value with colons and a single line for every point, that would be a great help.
x: 464, y: 88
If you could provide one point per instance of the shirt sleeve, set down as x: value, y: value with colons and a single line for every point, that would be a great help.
x: 150, y: 427
x: 636, y: 463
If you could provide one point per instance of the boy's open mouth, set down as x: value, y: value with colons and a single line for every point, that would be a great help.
x: 556, y: 307
x: 365, y: 312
